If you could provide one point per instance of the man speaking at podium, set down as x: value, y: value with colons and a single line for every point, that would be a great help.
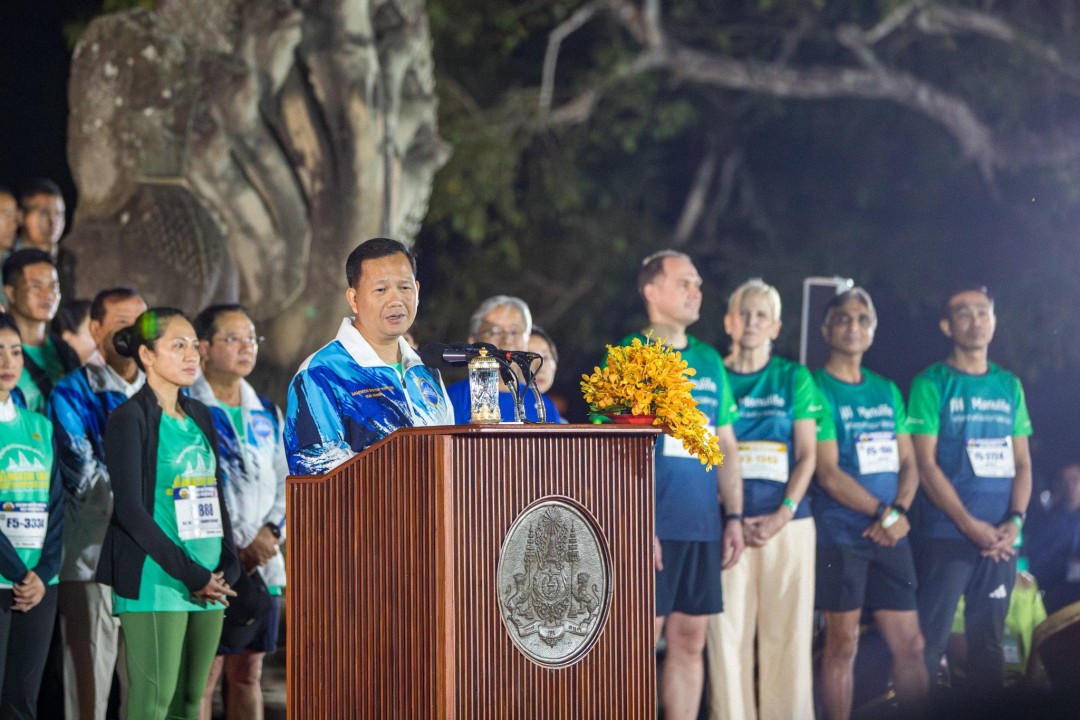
x: 367, y: 382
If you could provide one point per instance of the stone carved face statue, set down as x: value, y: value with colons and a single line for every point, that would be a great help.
x: 245, y: 145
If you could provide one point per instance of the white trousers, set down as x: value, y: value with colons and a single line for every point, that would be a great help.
x: 769, y: 595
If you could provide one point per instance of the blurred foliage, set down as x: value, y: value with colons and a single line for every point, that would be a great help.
x: 562, y: 215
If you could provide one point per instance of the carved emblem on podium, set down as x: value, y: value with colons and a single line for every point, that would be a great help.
x: 554, y: 582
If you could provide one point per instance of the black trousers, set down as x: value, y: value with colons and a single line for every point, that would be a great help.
x: 947, y: 570
x: 24, y: 642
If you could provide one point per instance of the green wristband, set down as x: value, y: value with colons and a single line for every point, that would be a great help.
x: 790, y: 505
x: 889, y: 520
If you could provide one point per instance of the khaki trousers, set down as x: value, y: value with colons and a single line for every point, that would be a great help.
x: 770, y: 593
x: 92, y: 646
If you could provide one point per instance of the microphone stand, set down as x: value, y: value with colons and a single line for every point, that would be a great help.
x: 524, y: 361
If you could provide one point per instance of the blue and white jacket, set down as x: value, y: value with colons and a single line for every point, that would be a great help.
x: 345, y: 398
x: 254, y: 469
x: 78, y: 406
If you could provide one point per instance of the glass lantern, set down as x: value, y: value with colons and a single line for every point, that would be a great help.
x: 484, y: 389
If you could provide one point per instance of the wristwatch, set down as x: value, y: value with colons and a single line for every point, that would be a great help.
x: 274, y: 529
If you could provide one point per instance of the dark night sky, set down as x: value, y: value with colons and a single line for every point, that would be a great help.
x: 33, y: 89
x: 33, y: 109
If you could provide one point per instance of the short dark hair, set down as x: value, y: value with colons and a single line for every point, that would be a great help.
x: 206, y: 321
x: 38, y: 186
x: 110, y: 295
x: 18, y: 260
x: 653, y: 266
x: 70, y: 316
x: 958, y: 289
x: 5, y: 190
x: 8, y: 323
x: 146, y: 331
x: 374, y: 249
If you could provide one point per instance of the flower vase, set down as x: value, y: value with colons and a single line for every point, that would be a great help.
x: 628, y: 419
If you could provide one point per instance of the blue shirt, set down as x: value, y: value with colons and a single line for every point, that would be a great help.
x: 867, y: 414
x: 975, y: 418
x: 462, y: 403
x: 770, y: 401
x: 345, y: 398
x: 687, y: 503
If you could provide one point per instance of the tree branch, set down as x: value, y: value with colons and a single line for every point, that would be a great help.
x: 822, y: 82
x: 551, y: 55
x: 873, y: 80
x: 938, y: 19
x: 696, y: 197
x: 895, y: 19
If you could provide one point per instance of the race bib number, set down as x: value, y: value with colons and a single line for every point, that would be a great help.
x: 24, y: 524
x: 673, y: 447
x: 992, y: 457
x: 198, y: 512
x: 761, y: 460
x: 877, y: 453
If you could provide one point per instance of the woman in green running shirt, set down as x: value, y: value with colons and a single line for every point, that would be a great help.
x: 30, y: 537
x: 168, y: 553
x: 770, y: 593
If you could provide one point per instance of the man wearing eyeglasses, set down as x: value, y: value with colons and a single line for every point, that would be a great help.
x: 79, y: 407
x: 33, y: 295
x: 505, y: 322
x: 43, y: 218
x: 970, y: 428
x: 252, y: 454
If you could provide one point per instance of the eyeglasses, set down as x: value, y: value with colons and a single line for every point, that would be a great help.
x: 494, y: 332
x: 235, y: 340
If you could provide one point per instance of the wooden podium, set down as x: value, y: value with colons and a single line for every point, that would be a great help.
x: 425, y: 571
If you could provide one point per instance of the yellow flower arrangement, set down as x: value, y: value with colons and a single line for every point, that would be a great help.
x: 651, y: 378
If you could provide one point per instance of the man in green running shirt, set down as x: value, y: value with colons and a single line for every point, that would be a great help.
x: 33, y: 294
x: 970, y: 428
x: 866, y: 479
x: 694, y: 543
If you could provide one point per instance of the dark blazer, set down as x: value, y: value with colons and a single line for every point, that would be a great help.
x: 131, y: 447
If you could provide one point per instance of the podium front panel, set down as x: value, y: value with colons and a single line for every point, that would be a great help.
x: 395, y: 607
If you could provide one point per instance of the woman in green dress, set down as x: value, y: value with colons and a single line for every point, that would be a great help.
x: 168, y: 553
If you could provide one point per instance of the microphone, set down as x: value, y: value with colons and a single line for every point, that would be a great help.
x: 453, y: 354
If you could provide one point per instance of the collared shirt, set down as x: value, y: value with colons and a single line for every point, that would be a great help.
x: 345, y: 398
